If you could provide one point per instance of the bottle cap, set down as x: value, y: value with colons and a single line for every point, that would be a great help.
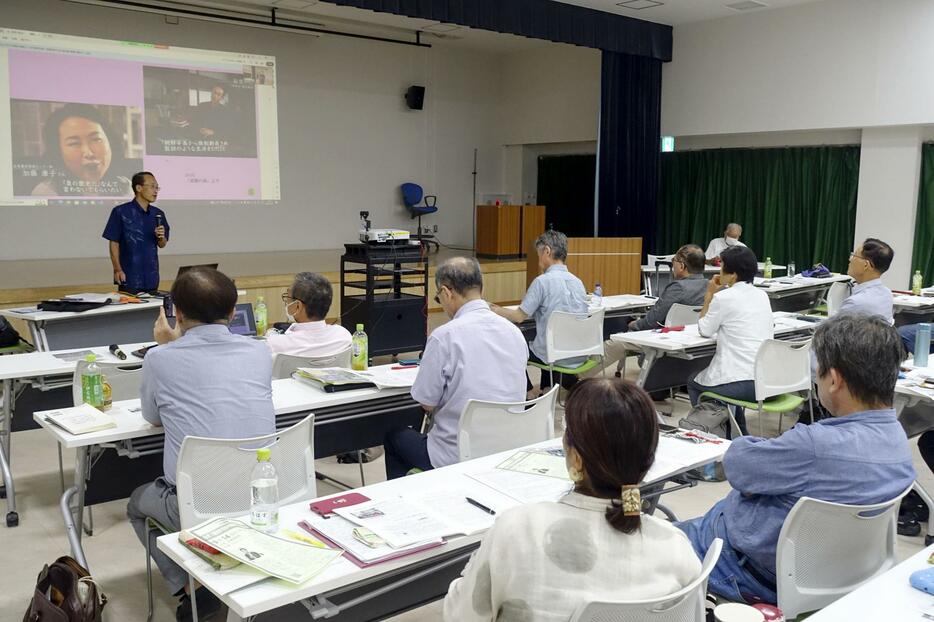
x: 262, y: 455
x: 90, y: 358
x: 360, y: 327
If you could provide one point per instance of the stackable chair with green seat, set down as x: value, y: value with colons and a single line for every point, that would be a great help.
x: 783, y: 369
x: 573, y: 335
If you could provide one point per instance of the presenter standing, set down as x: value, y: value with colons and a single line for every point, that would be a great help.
x: 137, y: 230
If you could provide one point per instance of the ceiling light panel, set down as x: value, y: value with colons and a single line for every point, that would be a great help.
x: 638, y: 5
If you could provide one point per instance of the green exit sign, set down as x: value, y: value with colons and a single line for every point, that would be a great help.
x: 668, y: 143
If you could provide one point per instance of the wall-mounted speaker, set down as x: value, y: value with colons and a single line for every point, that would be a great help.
x: 415, y: 97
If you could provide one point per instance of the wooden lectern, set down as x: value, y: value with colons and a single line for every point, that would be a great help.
x: 507, y: 231
x: 615, y: 263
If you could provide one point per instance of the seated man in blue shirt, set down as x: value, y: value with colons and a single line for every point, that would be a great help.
x: 477, y: 355
x: 555, y: 289
x: 859, y: 456
x: 870, y: 296
x: 202, y: 380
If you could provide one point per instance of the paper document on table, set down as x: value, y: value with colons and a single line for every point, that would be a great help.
x: 345, y: 534
x: 81, y: 419
x: 398, y: 521
x: 523, y: 487
x: 688, y: 336
x: 285, y: 559
x: 456, y: 510
x: 391, y: 378
x: 89, y: 297
x: 73, y: 357
x: 536, y: 463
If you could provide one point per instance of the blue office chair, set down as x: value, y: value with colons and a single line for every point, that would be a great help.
x: 412, y: 195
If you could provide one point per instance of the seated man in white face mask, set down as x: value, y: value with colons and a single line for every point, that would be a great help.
x: 718, y: 245
x: 306, y: 304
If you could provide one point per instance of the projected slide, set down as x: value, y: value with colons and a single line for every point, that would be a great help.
x: 85, y: 114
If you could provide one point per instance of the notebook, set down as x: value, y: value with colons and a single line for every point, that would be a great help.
x: 81, y: 419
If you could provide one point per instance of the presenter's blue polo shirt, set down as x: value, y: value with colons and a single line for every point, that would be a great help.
x: 133, y: 228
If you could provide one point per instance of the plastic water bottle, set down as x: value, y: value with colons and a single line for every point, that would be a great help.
x: 597, y: 298
x: 108, y: 394
x: 261, y: 316
x: 767, y: 270
x: 791, y: 268
x: 359, y: 359
x: 922, y: 345
x: 264, y: 486
x: 917, y: 283
x: 92, y: 384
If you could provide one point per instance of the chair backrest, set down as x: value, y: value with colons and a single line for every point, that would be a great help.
x: 571, y: 335
x: 651, y: 260
x: 489, y: 427
x: 213, y: 475
x: 411, y: 194
x: 838, y: 292
x: 284, y: 364
x: 826, y: 550
x: 782, y: 367
x: 124, y: 379
x: 685, y: 605
x: 682, y: 315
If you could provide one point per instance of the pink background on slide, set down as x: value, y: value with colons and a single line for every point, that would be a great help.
x: 235, y: 177
x: 86, y: 80
x: 79, y: 79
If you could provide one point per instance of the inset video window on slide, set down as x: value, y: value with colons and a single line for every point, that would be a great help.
x: 86, y: 114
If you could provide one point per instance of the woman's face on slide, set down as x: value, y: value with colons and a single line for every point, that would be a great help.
x: 85, y: 148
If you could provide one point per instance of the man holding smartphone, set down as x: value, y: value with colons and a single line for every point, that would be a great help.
x: 136, y: 231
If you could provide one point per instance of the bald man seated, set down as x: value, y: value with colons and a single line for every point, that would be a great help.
x: 730, y: 238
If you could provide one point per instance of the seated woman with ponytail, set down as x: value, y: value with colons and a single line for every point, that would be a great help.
x: 540, y: 561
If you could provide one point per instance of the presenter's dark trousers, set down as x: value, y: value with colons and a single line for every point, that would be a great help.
x: 406, y: 449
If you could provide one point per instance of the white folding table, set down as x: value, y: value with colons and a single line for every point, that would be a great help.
x: 887, y: 597
x: 322, y: 594
x: 662, y: 275
x: 343, y: 420
x: 113, y: 323
x: 44, y: 371
x: 689, y: 344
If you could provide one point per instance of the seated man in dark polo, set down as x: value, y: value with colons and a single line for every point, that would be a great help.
x: 686, y: 288
x: 859, y: 456
x: 202, y: 380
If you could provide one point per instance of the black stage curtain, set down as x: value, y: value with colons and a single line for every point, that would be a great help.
x: 538, y: 19
x: 630, y: 142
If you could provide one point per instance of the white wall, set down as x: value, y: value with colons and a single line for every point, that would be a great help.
x: 551, y: 95
x: 346, y: 138
x: 829, y: 72
x: 889, y: 168
x: 828, y: 64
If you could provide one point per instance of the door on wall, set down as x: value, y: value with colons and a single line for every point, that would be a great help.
x: 566, y: 188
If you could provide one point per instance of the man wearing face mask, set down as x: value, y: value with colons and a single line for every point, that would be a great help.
x: 730, y: 238
x: 477, y: 355
x: 306, y: 305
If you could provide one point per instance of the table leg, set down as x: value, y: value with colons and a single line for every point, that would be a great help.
x: 650, y: 355
x: 12, y: 517
x: 74, y: 516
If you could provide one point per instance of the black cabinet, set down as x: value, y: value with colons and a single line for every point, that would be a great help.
x: 385, y: 288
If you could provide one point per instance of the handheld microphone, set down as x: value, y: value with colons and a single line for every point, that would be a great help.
x: 116, y: 351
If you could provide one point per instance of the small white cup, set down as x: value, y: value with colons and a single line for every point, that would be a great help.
x: 737, y: 612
